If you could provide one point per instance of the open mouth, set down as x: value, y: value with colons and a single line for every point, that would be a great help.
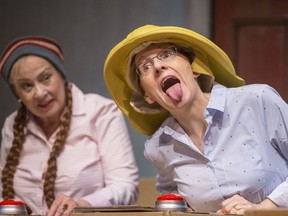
x: 171, y: 86
x: 169, y: 82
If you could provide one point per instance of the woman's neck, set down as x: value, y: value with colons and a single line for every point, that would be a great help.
x: 49, y: 126
x: 192, y: 120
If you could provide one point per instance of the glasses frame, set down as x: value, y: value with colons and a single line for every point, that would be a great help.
x: 159, y: 58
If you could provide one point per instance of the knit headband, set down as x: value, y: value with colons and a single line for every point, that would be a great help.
x: 35, y: 45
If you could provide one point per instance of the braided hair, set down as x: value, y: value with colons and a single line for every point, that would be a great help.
x: 17, y: 145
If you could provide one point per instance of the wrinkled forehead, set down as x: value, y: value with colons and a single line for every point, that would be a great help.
x: 28, y: 65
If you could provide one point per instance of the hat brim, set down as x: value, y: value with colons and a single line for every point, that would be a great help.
x: 115, y: 69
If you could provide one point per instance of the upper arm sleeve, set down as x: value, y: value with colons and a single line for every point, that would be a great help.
x: 117, y: 157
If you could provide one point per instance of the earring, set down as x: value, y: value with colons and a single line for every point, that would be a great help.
x: 19, y: 100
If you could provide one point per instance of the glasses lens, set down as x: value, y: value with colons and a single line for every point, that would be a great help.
x: 145, y: 67
x: 167, y: 54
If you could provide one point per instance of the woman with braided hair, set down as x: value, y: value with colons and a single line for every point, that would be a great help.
x: 62, y: 148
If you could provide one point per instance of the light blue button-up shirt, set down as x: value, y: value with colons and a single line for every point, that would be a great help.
x: 245, y: 150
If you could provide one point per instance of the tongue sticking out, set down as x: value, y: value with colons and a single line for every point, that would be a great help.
x: 175, y: 92
x: 171, y: 86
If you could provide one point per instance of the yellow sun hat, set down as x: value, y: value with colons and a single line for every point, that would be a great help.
x: 209, y: 60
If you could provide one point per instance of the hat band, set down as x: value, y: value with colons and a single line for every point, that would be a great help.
x: 25, y: 50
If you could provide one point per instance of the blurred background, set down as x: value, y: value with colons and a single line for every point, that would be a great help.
x: 253, y: 33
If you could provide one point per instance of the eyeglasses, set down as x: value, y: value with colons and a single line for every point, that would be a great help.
x: 147, y: 65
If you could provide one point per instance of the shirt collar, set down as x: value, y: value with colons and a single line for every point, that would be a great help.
x: 216, y: 103
x: 218, y: 98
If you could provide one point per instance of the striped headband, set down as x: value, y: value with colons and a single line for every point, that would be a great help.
x: 31, y: 45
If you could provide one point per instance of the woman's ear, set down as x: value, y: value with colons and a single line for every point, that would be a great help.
x: 148, y: 99
x: 195, y: 74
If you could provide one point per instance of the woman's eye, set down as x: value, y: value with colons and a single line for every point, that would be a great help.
x: 147, y: 66
x: 46, y: 78
x: 26, y: 87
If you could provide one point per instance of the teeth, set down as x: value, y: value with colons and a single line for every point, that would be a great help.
x: 163, y: 82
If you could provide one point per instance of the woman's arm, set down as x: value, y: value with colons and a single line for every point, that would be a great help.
x: 117, y: 158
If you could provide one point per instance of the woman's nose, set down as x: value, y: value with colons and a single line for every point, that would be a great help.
x: 40, y: 91
x: 159, y: 66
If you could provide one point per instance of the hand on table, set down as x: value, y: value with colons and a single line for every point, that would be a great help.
x: 62, y: 206
x: 237, y: 205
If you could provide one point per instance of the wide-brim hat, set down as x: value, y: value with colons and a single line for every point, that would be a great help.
x: 209, y: 60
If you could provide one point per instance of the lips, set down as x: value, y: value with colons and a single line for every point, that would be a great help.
x: 45, y: 104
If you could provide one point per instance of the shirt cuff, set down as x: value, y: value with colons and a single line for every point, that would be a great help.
x: 97, y: 199
x: 280, y: 195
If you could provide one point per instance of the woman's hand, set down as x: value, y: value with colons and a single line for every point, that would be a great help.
x: 237, y: 205
x: 62, y: 206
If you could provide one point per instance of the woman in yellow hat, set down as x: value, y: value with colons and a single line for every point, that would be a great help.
x: 217, y: 142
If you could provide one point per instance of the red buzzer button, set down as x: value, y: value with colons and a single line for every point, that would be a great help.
x: 170, y: 197
x: 11, y: 202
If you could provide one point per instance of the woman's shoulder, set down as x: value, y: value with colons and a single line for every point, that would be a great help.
x: 255, y: 93
x: 254, y: 89
x: 9, y: 121
x: 11, y: 116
